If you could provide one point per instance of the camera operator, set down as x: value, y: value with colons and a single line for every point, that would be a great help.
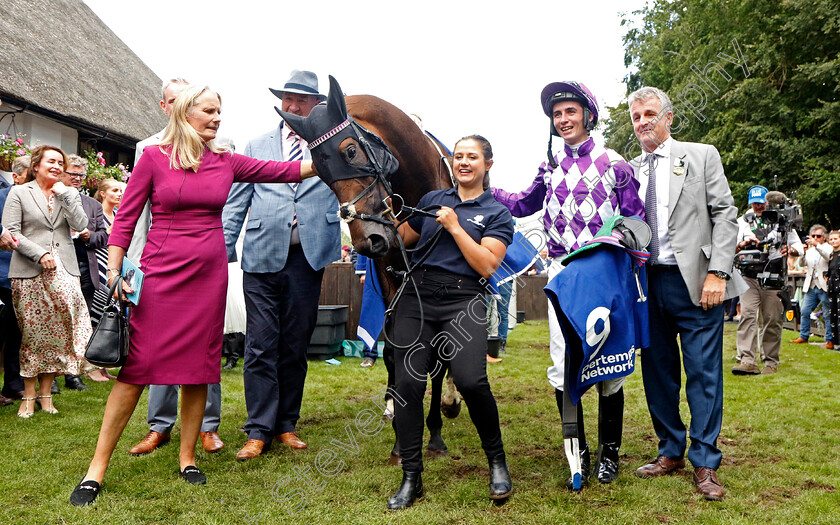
x: 761, y: 305
x: 815, y: 288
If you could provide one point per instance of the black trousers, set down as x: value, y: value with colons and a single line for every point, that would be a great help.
x: 281, y: 308
x: 10, y: 338
x: 453, y: 324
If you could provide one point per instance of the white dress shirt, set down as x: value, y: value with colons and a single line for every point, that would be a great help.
x: 663, y: 183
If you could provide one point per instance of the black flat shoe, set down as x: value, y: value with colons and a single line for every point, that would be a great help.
x: 501, y: 487
x: 410, y: 489
x: 193, y: 475
x: 85, y: 493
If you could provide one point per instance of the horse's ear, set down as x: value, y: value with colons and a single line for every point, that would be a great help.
x: 297, y: 123
x: 336, y: 108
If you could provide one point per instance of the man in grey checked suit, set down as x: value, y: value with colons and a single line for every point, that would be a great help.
x: 690, y: 210
x: 163, y: 399
x: 291, y: 234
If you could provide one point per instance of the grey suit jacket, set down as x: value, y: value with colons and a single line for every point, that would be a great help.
x: 702, y: 218
x: 27, y: 216
x: 271, y: 209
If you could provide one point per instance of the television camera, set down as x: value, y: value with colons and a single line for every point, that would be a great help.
x: 765, y: 261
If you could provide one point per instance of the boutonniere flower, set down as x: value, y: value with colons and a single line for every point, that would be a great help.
x: 679, y: 167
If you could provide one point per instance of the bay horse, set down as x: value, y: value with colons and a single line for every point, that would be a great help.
x: 377, y: 161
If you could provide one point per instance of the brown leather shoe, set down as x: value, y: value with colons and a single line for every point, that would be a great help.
x: 746, y: 369
x: 212, y: 442
x: 5, y: 401
x: 291, y: 440
x: 829, y: 345
x: 660, y: 466
x: 706, y: 481
x: 149, y: 443
x: 798, y: 341
x: 252, y: 449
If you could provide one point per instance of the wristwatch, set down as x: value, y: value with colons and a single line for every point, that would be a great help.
x: 719, y: 274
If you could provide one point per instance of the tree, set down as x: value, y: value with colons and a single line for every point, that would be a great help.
x: 758, y: 79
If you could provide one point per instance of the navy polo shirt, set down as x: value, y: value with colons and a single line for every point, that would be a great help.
x: 479, y: 217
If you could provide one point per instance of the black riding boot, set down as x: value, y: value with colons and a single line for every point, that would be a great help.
x: 610, y: 427
x: 501, y: 486
x: 584, y: 446
x: 410, y: 489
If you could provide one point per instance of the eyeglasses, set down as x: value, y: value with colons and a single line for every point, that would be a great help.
x: 76, y: 175
x: 818, y: 236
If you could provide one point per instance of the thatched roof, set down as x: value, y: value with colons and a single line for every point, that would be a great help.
x: 60, y: 58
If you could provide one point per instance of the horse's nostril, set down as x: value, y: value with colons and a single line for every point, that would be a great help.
x: 378, y: 244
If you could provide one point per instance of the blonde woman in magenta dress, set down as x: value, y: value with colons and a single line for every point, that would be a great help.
x: 176, y: 329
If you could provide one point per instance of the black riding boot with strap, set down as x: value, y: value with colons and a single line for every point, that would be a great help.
x: 584, y: 446
x: 610, y: 427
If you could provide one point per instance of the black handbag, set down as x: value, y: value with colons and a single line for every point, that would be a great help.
x: 108, y: 345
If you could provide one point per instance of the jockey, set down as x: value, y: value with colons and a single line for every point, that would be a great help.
x: 578, y: 189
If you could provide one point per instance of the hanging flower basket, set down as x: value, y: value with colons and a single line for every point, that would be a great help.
x: 10, y: 149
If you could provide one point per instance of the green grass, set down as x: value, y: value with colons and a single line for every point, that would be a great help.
x: 780, y: 442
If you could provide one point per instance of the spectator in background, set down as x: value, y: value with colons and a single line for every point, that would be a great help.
x: 834, y: 280
x: 20, y: 170
x: 345, y: 254
x: 47, y: 296
x: 109, y: 195
x: 761, y: 308
x: 815, y: 288
x: 86, y: 242
x: 9, y: 330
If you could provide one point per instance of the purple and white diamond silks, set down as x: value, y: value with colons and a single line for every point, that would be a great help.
x: 584, y: 193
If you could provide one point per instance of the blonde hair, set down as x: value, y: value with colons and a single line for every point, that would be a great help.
x: 105, y: 185
x: 187, y: 147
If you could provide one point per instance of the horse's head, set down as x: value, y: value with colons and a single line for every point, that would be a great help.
x: 356, y: 164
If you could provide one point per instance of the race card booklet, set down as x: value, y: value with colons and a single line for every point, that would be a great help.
x: 133, y: 277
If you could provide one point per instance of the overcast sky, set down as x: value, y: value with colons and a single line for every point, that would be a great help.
x: 464, y: 66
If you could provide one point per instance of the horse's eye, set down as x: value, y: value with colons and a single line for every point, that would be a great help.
x: 350, y: 153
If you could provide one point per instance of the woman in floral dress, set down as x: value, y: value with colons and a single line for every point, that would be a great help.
x: 46, y: 292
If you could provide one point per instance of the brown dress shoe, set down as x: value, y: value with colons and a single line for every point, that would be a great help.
x: 5, y: 401
x: 829, y: 345
x: 746, y: 369
x: 152, y: 441
x: 212, y: 442
x: 798, y: 341
x: 291, y: 440
x: 660, y: 466
x: 252, y: 449
x: 705, y: 479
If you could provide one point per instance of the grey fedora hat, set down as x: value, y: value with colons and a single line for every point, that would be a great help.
x: 301, y: 82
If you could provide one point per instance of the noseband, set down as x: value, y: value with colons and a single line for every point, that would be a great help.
x: 347, y: 210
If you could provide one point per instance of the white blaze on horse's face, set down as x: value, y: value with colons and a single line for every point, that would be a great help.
x: 352, y: 152
x: 469, y: 164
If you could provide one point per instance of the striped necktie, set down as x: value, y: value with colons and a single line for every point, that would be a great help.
x: 650, y: 209
x: 294, y: 154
